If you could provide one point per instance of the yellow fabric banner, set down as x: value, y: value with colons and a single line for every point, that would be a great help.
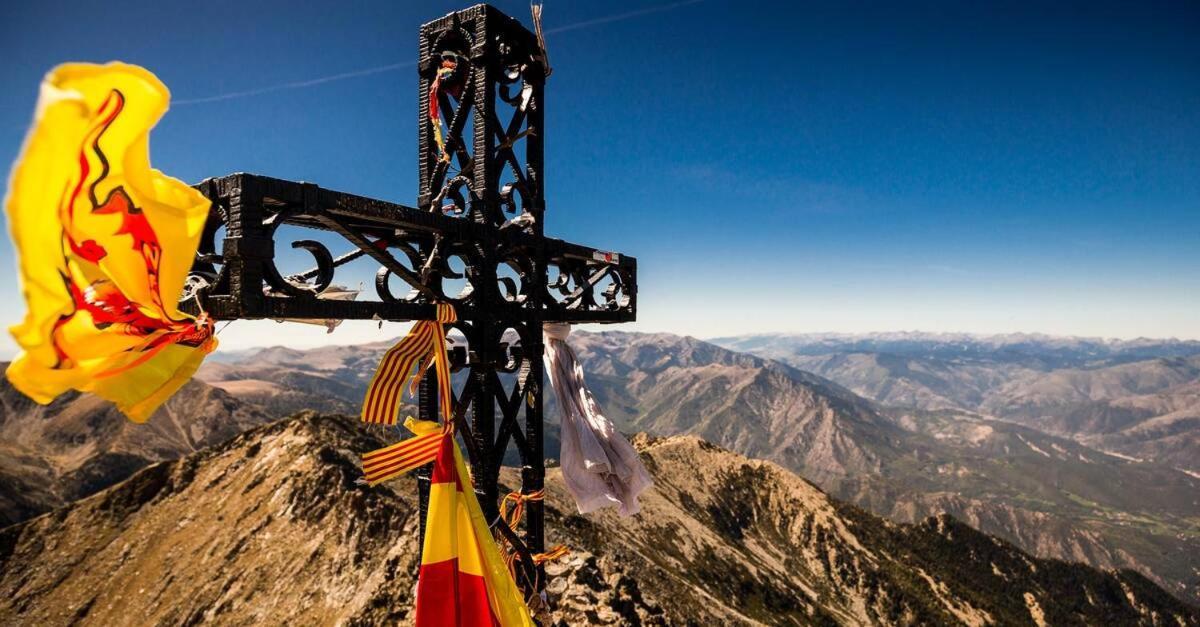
x: 463, y: 578
x: 104, y: 245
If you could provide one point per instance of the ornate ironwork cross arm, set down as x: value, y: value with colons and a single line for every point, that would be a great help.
x: 508, y: 272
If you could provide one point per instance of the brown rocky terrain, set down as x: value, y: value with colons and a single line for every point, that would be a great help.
x: 272, y: 527
x: 79, y: 444
x: 1047, y: 494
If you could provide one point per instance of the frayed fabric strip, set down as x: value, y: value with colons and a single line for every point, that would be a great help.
x: 599, y: 466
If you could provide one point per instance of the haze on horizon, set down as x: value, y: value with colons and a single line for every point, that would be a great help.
x: 985, y: 168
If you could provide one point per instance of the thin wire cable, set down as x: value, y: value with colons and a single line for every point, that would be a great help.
x: 392, y: 67
x: 622, y: 16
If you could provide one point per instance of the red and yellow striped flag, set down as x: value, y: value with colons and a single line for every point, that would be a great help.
x: 425, y: 343
x: 392, y: 461
x: 463, y: 579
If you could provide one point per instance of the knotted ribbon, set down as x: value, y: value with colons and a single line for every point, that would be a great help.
x: 444, y: 74
x: 512, y: 518
x: 424, y: 345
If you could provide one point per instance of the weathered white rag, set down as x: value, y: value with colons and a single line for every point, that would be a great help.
x: 599, y: 466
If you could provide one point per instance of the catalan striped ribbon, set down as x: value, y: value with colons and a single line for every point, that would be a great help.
x: 425, y: 343
x: 392, y: 461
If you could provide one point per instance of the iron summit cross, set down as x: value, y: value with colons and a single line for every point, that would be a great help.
x: 478, y: 223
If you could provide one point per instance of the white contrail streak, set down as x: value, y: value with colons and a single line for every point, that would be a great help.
x: 296, y: 84
x: 622, y: 16
x: 320, y: 80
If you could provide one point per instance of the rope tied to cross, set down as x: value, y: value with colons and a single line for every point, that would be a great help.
x: 512, y: 518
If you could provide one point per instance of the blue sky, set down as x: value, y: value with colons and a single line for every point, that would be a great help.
x: 801, y: 167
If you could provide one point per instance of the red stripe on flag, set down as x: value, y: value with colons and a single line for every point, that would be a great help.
x: 399, y: 358
x: 400, y: 447
x: 379, y: 476
x: 443, y: 469
x: 428, y: 448
x: 448, y: 596
x: 383, y: 394
x: 369, y: 404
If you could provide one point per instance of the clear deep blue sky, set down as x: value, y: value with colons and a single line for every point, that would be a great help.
x: 801, y: 167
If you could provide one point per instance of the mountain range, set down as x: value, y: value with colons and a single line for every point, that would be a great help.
x: 1051, y: 490
x: 1137, y: 398
x: 273, y: 527
x: 1049, y: 494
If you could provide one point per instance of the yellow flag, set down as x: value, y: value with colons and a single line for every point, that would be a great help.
x: 104, y: 245
x: 463, y: 578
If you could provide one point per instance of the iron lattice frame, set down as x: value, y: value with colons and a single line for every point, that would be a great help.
x: 480, y: 206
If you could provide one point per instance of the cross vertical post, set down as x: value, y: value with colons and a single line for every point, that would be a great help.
x: 476, y: 240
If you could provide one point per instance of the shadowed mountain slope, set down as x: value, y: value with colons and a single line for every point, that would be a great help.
x: 78, y: 444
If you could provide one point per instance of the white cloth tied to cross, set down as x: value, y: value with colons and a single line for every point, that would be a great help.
x: 599, y: 466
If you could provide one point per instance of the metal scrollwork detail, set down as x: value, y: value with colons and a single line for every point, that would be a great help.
x: 421, y: 263
x: 452, y: 191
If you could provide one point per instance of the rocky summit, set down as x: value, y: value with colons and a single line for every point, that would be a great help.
x: 273, y: 527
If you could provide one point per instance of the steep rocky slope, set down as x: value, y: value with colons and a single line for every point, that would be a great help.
x: 272, y: 527
x: 668, y: 384
x: 79, y: 444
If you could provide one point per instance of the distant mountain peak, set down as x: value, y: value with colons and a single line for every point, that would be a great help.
x: 994, y: 339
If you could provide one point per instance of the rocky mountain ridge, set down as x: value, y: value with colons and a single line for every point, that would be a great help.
x: 272, y: 526
x: 79, y: 444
